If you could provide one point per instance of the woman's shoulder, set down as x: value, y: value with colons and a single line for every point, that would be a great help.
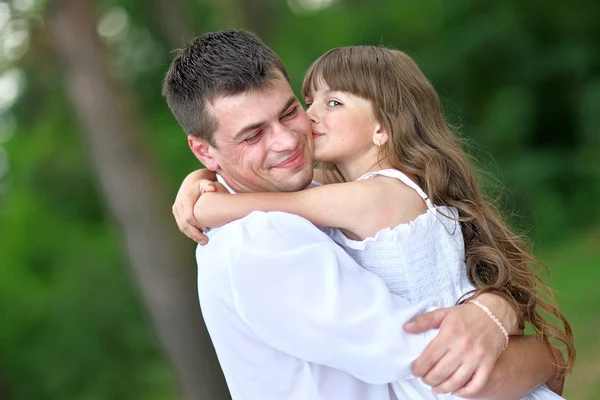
x: 396, y: 201
x: 383, y: 202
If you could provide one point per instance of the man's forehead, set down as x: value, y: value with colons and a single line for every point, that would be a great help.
x: 270, y: 94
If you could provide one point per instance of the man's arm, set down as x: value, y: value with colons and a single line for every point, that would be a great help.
x: 302, y: 294
x: 524, y: 365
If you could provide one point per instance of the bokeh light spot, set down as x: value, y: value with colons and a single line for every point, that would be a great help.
x: 113, y: 23
x: 11, y: 86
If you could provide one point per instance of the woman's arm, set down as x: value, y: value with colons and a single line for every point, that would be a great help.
x: 362, y: 208
x: 339, y: 205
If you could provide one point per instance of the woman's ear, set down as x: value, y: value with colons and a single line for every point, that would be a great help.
x: 203, y: 152
x: 380, y: 136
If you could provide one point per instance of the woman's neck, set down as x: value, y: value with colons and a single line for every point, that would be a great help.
x: 351, y: 170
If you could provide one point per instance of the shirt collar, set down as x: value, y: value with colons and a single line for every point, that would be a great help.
x: 222, y: 182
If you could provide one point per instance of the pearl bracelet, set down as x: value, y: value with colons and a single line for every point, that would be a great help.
x: 494, y: 318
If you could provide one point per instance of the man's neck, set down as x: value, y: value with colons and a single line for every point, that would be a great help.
x: 222, y: 182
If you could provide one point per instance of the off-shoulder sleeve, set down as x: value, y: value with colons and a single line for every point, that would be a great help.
x: 303, y: 295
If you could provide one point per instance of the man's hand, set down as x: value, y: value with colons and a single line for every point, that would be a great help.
x: 466, y: 348
x: 526, y: 363
x: 192, y: 187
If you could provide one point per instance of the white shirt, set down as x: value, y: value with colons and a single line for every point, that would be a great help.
x: 292, y: 316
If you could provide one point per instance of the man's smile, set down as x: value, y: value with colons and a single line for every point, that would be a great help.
x: 293, y: 161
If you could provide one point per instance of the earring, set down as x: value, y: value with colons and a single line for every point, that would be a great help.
x: 378, y: 142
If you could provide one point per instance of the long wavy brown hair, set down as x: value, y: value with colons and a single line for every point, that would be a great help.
x: 423, y: 144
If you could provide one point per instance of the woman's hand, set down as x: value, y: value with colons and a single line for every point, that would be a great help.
x: 192, y: 187
x: 464, y: 352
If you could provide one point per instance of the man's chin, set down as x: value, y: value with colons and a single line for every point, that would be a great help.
x: 296, y: 182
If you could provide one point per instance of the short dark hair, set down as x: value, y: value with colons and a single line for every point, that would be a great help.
x: 223, y: 63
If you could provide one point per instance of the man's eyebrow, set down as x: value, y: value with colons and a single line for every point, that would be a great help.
x: 257, y: 125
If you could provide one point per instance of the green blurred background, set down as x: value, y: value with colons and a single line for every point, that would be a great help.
x: 97, y: 292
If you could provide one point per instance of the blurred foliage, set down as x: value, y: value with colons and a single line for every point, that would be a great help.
x: 521, y: 79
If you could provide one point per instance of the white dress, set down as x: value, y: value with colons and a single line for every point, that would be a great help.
x: 421, y: 260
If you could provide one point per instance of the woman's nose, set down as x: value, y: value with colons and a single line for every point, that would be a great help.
x: 312, y: 115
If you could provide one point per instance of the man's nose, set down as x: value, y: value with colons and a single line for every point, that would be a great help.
x: 284, y: 138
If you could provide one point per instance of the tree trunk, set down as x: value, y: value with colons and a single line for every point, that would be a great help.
x: 161, y: 264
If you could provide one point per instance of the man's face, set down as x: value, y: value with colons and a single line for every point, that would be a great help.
x: 263, y: 141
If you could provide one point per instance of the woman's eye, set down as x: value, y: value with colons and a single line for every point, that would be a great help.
x: 308, y: 104
x: 333, y: 103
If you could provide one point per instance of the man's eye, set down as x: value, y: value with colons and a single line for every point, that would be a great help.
x: 333, y: 103
x: 291, y: 113
x: 253, y: 138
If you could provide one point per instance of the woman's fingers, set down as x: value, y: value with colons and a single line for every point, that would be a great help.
x: 187, y: 224
x: 191, y: 229
x: 206, y: 186
x: 183, y: 209
x: 196, y: 234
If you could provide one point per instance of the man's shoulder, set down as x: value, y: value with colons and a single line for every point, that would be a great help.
x: 266, y: 221
x: 274, y: 220
x: 254, y: 239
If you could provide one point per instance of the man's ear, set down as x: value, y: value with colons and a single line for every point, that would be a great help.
x: 203, y: 152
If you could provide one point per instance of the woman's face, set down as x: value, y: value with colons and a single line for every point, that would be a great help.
x: 343, y: 125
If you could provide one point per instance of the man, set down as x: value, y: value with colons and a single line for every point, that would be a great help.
x: 290, y: 314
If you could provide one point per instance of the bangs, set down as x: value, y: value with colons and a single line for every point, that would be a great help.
x: 355, y: 70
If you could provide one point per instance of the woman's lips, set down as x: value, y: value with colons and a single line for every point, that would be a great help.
x: 316, y: 134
